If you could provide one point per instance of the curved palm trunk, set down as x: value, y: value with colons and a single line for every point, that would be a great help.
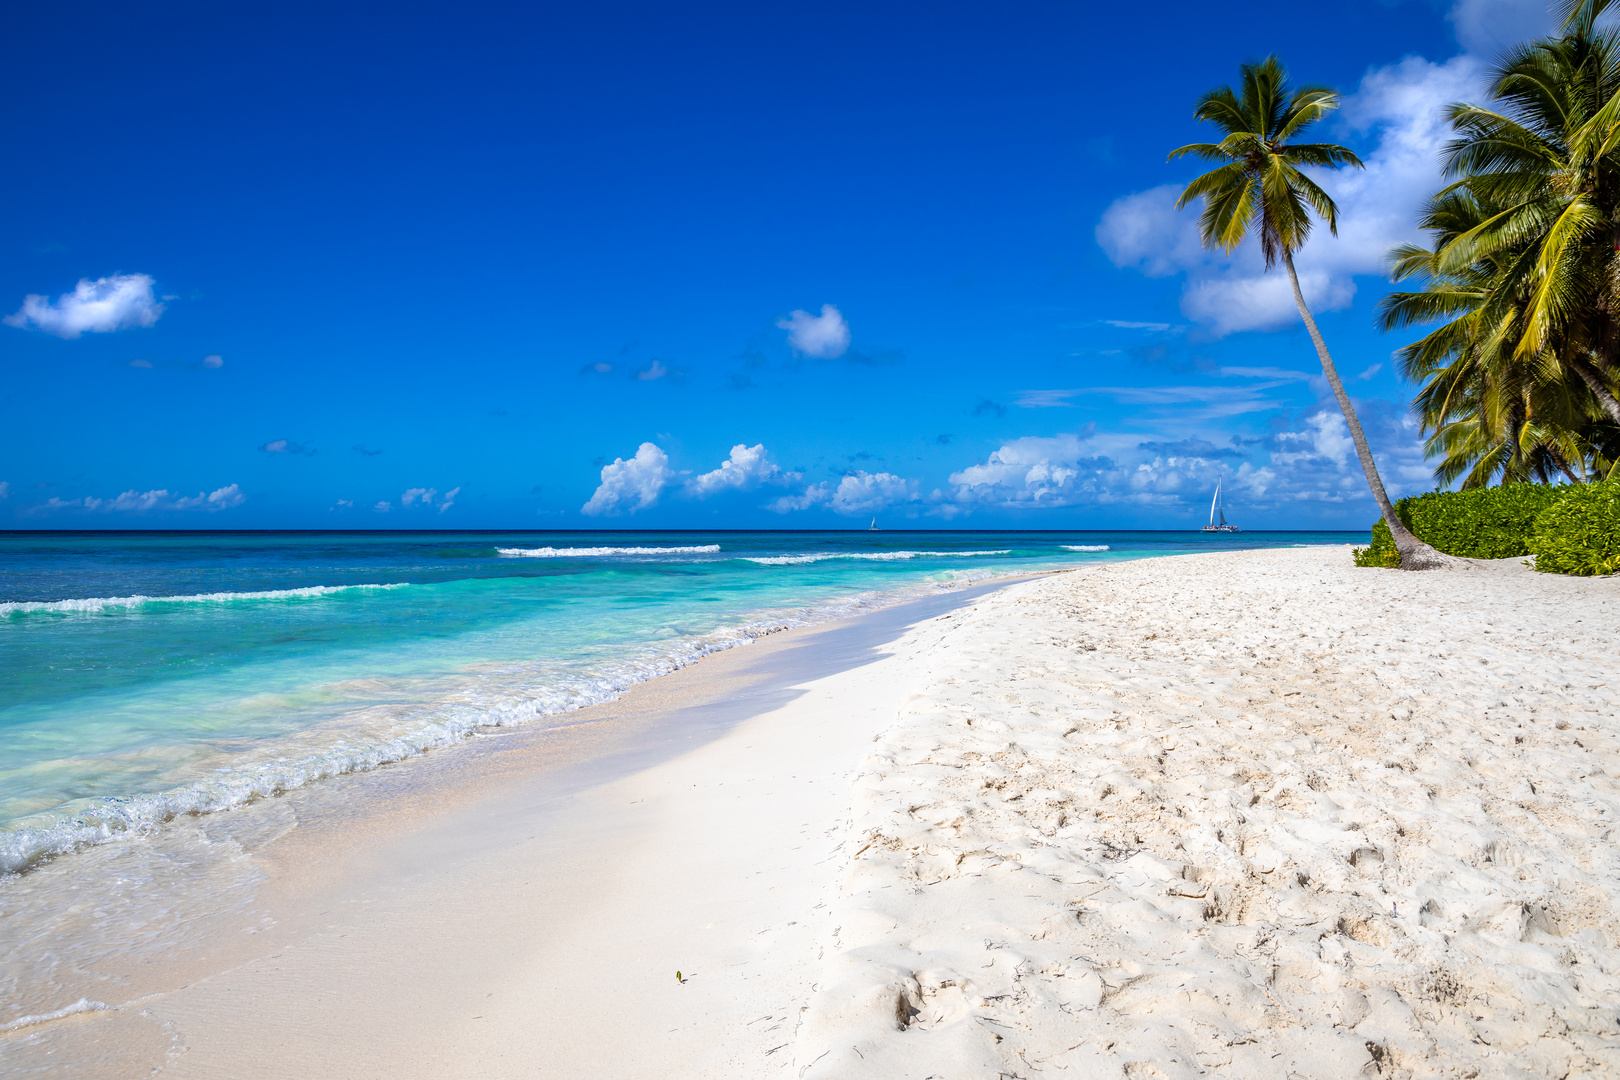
x: 1595, y: 384
x: 1415, y: 554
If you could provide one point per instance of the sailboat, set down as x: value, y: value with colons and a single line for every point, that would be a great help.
x: 1216, y: 509
x: 874, y: 527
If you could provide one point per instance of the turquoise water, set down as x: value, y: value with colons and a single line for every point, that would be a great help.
x: 144, y: 675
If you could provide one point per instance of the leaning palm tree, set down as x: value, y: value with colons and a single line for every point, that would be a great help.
x: 1259, y: 189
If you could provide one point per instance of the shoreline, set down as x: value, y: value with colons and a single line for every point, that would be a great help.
x: 295, y: 854
x: 104, y: 819
x: 1143, y: 818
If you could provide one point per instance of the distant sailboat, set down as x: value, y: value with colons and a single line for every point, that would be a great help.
x: 874, y: 527
x: 1216, y: 509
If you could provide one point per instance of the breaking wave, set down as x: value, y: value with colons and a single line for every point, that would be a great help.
x: 593, y: 552
x: 874, y: 556
x: 93, y: 604
x: 1085, y: 547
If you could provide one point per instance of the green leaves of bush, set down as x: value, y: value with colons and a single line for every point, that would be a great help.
x: 1580, y: 534
x: 1571, y: 529
x: 1381, y: 552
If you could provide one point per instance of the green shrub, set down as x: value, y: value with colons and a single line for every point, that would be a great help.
x: 1580, y: 534
x: 1381, y: 552
x: 1480, y: 523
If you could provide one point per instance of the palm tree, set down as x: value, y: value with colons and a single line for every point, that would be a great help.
x: 1493, y: 414
x: 1547, y: 164
x: 1260, y: 189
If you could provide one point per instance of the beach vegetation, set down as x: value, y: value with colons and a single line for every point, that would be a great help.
x: 1258, y: 191
x: 1580, y: 533
x: 1477, y: 523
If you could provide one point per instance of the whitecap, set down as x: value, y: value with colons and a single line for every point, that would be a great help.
x: 874, y: 556
x: 93, y: 604
x: 1085, y: 547
x: 594, y: 552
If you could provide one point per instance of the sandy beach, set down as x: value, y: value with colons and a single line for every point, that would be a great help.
x: 1253, y: 814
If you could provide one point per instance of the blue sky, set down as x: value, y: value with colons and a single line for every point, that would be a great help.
x: 636, y: 265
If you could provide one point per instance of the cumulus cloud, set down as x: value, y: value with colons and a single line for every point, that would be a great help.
x: 654, y: 370
x: 747, y: 467
x: 1401, y: 106
x: 858, y: 493
x: 449, y: 499
x: 157, y: 499
x: 383, y: 507
x: 824, y: 336
x: 866, y: 493
x: 413, y: 494
x: 631, y: 485
x: 111, y: 303
x: 814, y: 495
x: 286, y: 446
x: 213, y: 361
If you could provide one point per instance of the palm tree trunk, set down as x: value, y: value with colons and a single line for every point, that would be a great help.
x: 1590, y: 377
x: 1415, y: 554
x: 1563, y: 466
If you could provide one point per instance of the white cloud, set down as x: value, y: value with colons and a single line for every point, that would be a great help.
x: 110, y: 303
x: 1145, y: 230
x: 747, y: 467
x: 824, y: 336
x: 346, y: 503
x: 424, y: 496
x: 654, y: 370
x: 814, y: 495
x: 866, y: 493
x: 5, y: 489
x: 628, y: 486
x: 1285, y: 374
x: 383, y: 507
x: 1028, y: 471
x: 1325, y: 436
x: 858, y: 493
x: 1313, y: 461
x: 141, y: 502
x: 1403, y: 104
x: 213, y: 361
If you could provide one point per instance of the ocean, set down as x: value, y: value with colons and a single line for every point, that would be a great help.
x: 145, y: 676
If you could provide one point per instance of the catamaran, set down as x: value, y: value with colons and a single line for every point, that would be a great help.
x: 1215, y: 508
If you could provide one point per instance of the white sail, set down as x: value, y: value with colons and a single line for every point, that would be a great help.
x: 1214, y: 502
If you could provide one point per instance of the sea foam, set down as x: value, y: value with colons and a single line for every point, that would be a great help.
x: 873, y: 556
x: 1085, y: 547
x: 593, y: 552
x: 93, y: 604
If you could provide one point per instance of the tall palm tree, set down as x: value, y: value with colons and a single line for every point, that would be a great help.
x: 1259, y: 189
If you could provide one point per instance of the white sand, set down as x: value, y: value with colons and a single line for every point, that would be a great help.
x: 1256, y: 814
